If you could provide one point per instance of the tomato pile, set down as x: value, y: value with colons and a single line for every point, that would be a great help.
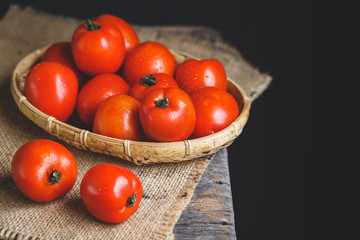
x: 120, y: 87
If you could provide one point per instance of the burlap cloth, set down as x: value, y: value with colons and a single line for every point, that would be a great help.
x: 23, y: 30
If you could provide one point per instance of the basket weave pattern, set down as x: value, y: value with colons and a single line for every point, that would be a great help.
x: 133, y: 151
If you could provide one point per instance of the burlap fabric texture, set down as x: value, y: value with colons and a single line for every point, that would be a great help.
x: 22, y: 31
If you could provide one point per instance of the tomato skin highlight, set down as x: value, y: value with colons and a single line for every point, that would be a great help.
x: 194, y: 74
x: 98, y: 51
x: 53, y: 89
x: 96, y: 91
x: 106, y: 190
x: 32, y: 165
x: 118, y: 117
x: 215, y: 110
x: 162, y: 123
x: 147, y: 58
x: 130, y: 36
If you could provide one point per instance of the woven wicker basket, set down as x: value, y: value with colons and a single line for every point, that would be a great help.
x: 133, y: 151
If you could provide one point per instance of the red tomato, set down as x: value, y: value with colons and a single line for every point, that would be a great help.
x: 52, y: 88
x: 98, y: 47
x: 97, y: 90
x: 148, y: 58
x: 194, y: 74
x: 43, y: 170
x: 130, y: 36
x: 167, y: 114
x: 151, y: 82
x: 118, y: 117
x: 215, y: 110
x: 60, y: 52
x: 111, y: 193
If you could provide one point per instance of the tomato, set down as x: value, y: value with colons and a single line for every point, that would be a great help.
x: 43, y: 170
x: 118, y: 117
x: 147, y: 58
x: 97, y: 90
x: 194, y: 74
x: 111, y: 193
x: 130, y: 36
x: 215, y: 110
x: 53, y: 89
x: 98, y: 47
x: 60, y: 52
x: 151, y: 82
x: 167, y: 114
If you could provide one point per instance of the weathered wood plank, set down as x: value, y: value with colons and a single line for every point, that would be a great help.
x: 210, y: 213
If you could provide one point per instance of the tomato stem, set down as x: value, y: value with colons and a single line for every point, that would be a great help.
x: 163, y: 103
x: 91, y: 26
x: 148, y: 81
x: 54, y: 176
x: 131, y: 200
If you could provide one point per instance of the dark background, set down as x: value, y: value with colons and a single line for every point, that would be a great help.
x: 270, y: 163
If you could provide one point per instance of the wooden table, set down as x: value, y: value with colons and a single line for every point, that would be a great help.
x: 210, y: 213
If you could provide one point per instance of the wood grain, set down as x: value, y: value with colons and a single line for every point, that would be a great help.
x: 210, y: 213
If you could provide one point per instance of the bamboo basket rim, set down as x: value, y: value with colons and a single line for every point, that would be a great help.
x: 138, y: 152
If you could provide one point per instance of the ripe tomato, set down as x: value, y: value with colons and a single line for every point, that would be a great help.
x: 98, y: 47
x: 167, y: 114
x: 97, y: 90
x: 215, y: 110
x: 194, y: 74
x: 151, y: 82
x: 53, y: 89
x: 43, y: 170
x: 60, y: 52
x: 118, y: 117
x: 130, y: 36
x: 148, y: 58
x: 111, y: 193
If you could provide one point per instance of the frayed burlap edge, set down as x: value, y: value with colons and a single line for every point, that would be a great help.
x: 7, y: 234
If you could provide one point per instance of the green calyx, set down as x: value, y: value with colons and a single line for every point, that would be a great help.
x: 163, y: 103
x: 91, y: 26
x: 148, y: 81
x: 131, y: 200
x: 54, y: 176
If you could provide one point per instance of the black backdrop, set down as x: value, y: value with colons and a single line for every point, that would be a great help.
x: 270, y: 162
